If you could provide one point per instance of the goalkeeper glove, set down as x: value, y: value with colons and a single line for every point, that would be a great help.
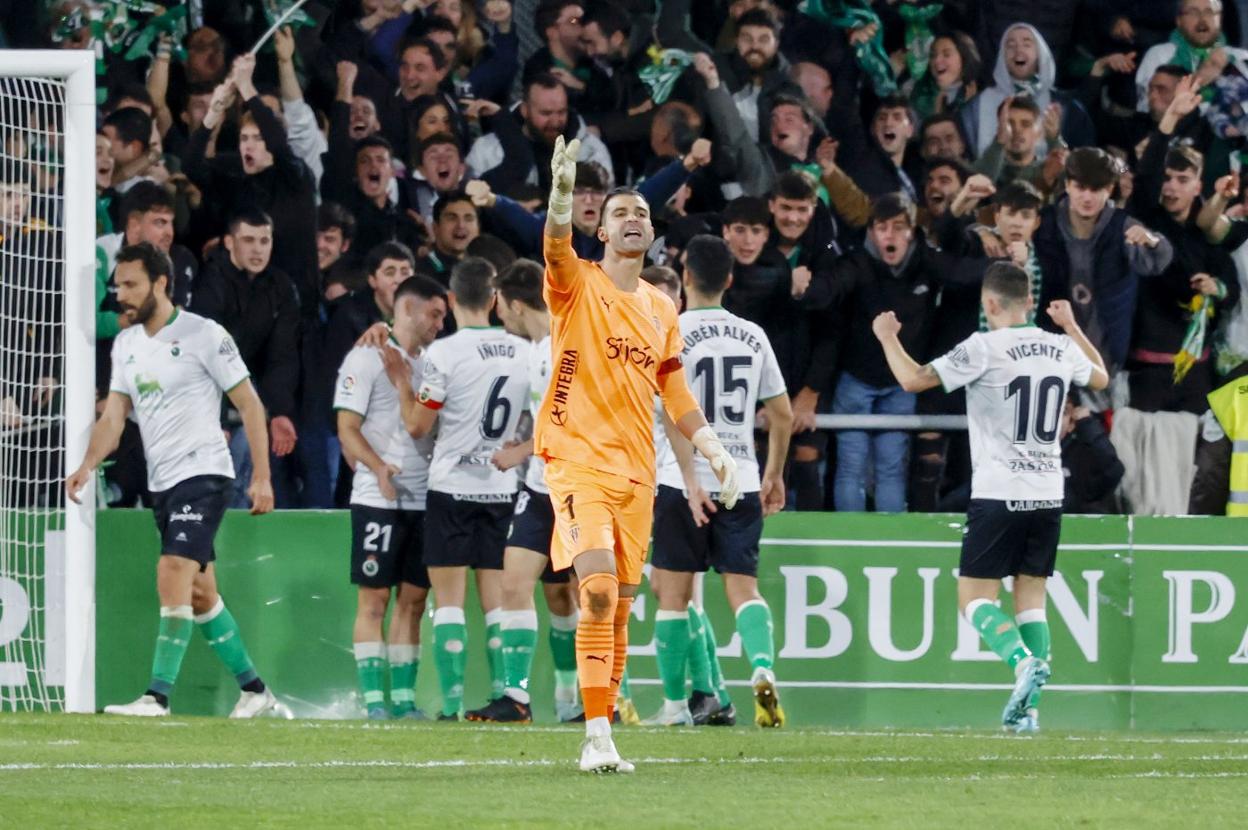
x: 563, y: 179
x: 722, y: 464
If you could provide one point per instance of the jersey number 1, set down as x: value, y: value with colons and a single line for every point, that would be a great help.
x: 1047, y: 415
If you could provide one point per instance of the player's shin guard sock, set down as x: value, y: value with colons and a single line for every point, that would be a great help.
x: 997, y: 630
x: 519, y: 634
x: 757, y: 635
x: 176, y: 624
x: 450, y: 638
x: 1033, y: 627
x: 699, y: 664
x: 671, y: 642
x: 221, y: 631
x: 563, y: 653
x: 404, y: 665
x: 370, y: 669
x: 619, y: 668
x: 717, y: 674
x: 595, y: 644
x: 494, y: 650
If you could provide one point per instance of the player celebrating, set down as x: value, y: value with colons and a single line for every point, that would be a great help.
x: 1016, y: 378
x: 474, y: 385
x: 616, y: 344
x: 388, y: 497
x: 729, y: 361
x: 526, y: 558
x: 169, y: 368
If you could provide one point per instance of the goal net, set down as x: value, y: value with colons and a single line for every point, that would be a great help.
x: 47, y: 559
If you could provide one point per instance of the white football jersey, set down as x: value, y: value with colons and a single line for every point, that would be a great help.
x: 539, y: 379
x: 174, y: 381
x: 1016, y: 381
x: 731, y: 367
x: 478, y: 380
x: 364, y: 389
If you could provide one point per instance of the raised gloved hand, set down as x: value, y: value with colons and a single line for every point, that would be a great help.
x: 563, y: 179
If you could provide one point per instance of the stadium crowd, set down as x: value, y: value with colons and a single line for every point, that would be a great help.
x: 856, y: 156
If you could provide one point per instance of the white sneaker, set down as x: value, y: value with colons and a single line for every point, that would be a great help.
x: 598, y: 754
x: 673, y: 713
x: 254, y: 704
x: 145, y: 707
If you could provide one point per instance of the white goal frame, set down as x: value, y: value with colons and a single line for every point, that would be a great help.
x: 76, y: 68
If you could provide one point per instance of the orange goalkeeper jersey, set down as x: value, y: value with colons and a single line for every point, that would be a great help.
x: 612, y: 351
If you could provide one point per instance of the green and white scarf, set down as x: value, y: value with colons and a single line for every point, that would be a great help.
x: 871, y: 57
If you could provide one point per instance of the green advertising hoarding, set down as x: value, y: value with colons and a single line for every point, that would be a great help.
x: 1148, y: 631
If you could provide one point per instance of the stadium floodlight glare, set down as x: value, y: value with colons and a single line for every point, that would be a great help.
x: 47, y: 378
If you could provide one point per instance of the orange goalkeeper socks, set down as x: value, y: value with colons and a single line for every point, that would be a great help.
x: 623, y: 609
x: 595, y: 642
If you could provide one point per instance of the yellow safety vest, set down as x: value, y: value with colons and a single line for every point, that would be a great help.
x: 1230, y: 407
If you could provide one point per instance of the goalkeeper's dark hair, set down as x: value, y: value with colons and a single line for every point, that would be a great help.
x: 1008, y: 282
x: 521, y: 280
x: 156, y: 263
x: 253, y: 216
x: 131, y: 124
x: 708, y: 264
x: 1019, y: 195
x: 144, y: 197
x: 621, y: 191
x: 380, y: 252
x: 472, y: 283
x: 419, y: 285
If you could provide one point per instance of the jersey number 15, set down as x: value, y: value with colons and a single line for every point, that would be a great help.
x: 728, y: 387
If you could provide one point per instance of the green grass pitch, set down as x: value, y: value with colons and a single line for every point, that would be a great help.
x: 77, y: 771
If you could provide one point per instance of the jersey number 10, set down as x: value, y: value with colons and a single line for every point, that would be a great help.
x: 1047, y: 414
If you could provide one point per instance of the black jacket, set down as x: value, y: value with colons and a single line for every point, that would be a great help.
x: 1091, y: 467
x: 262, y: 316
x: 862, y: 286
x: 285, y: 191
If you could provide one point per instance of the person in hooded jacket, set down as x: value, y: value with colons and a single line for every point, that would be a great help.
x: 1025, y: 65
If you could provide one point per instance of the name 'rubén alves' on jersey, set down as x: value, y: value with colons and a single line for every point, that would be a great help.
x: 731, y: 367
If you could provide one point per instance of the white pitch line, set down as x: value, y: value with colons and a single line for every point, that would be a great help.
x: 547, y: 762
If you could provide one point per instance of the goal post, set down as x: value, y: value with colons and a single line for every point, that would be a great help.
x: 47, y: 379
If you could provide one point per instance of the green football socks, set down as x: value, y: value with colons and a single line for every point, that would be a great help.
x: 562, y: 638
x: 450, y: 636
x: 717, y: 674
x: 176, y: 624
x: 519, y: 636
x: 221, y: 631
x: 672, y: 639
x: 699, y: 663
x: 756, y: 629
x: 404, y: 665
x: 370, y: 669
x: 1033, y: 627
x: 494, y: 650
x: 997, y: 630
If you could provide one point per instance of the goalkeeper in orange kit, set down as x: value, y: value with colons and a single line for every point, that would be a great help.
x: 615, y: 344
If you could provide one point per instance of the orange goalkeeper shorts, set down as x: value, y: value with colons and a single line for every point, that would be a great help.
x: 596, y: 510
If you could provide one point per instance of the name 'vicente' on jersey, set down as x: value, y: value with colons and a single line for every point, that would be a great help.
x: 1016, y: 381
